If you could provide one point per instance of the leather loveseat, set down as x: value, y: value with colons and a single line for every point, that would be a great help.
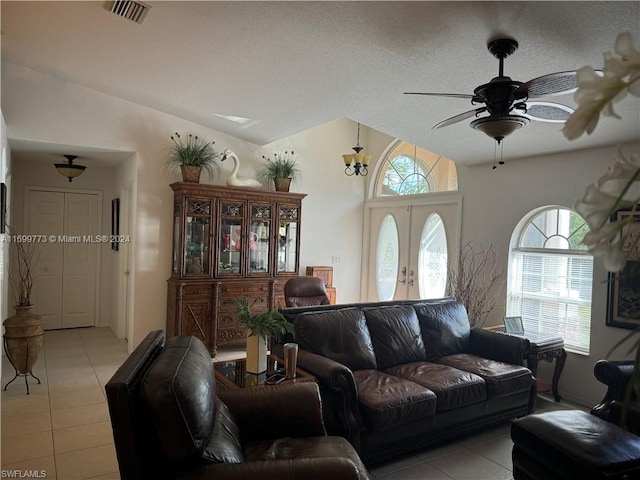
x: 168, y: 422
x: 397, y: 376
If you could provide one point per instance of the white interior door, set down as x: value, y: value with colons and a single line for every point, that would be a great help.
x: 46, y: 217
x: 409, y: 246
x: 65, y: 276
x: 79, y: 270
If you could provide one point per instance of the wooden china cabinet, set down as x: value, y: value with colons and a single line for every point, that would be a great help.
x: 229, y: 242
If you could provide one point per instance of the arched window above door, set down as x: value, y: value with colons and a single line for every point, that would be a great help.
x: 410, y: 170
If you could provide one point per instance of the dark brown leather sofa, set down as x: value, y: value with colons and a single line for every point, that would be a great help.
x: 573, y: 444
x: 397, y: 376
x: 168, y: 422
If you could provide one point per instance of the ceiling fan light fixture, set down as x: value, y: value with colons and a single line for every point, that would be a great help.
x: 499, y: 126
x: 69, y: 169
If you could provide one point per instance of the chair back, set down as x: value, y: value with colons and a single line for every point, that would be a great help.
x: 305, y: 291
x: 128, y: 420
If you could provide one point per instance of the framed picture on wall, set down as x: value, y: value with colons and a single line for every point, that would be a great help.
x: 623, y: 299
x: 115, y: 223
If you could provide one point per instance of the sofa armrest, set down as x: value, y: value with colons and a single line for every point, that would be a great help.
x: 275, y: 411
x: 339, y: 395
x: 498, y: 346
x: 341, y: 468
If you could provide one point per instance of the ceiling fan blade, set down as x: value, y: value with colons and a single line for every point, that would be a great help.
x: 559, y: 83
x: 548, y: 112
x: 454, y: 95
x: 460, y: 117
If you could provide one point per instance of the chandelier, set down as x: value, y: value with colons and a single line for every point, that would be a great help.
x: 360, y: 160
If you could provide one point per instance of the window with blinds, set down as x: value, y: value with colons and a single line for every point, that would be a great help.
x: 551, y: 276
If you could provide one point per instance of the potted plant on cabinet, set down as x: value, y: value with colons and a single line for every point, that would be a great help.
x: 192, y: 154
x: 282, y: 170
x: 260, y: 327
x: 23, y: 332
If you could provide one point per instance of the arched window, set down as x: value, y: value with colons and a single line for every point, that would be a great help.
x: 411, y: 170
x: 551, y: 276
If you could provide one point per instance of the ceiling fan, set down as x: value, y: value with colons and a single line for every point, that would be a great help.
x: 502, y: 96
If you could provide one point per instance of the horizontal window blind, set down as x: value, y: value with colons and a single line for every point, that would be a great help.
x: 552, y: 294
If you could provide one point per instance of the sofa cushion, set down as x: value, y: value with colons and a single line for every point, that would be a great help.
x: 387, y: 401
x: 341, y: 335
x: 501, y: 378
x: 395, y: 334
x: 445, y: 328
x: 454, y: 388
x: 179, y: 393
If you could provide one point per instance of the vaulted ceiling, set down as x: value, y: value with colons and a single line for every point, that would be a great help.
x: 264, y: 70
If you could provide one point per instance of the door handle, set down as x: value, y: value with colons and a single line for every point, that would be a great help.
x: 403, y: 272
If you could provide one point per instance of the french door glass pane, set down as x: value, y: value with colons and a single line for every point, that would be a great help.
x: 387, y: 258
x: 432, y: 259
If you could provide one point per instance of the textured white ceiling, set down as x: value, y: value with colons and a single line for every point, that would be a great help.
x: 290, y: 66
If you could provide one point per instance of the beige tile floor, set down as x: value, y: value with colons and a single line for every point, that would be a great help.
x: 62, y: 428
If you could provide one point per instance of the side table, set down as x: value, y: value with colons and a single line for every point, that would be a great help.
x: 232, y: 374
x: 547, y: 349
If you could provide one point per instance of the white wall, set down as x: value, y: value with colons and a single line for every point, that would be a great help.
x: 44, y: 108
x: 494, y: 201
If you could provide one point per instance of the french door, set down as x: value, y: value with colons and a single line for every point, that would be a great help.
x: 410, y: 243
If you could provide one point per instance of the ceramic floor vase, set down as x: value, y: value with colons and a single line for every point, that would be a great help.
x: 23, y: 338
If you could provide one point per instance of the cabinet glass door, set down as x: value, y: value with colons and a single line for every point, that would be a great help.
x: 197, y: 237
x: 260, y: 238
x: 231, y: 238
x: 288, y: 240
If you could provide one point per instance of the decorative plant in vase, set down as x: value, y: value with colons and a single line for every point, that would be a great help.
x: 615, y: 241
x: 260, y: 327
x: 23, y: 334
x: 474, y: 282
x: 192, y: 154
x: 282, y: 170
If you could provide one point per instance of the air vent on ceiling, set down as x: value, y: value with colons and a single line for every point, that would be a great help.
x: 135, y: 11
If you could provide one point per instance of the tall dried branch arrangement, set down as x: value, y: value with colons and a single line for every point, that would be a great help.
x: 24, y: 258
x: 475, y: 282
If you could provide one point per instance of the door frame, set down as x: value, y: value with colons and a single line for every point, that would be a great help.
x: 25, y: 219
x: 429, y: 199
x: 125, y: 267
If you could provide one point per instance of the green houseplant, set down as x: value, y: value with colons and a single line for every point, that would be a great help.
x: 192, y: 154
x: 282, y: 169
x: 260, y: 327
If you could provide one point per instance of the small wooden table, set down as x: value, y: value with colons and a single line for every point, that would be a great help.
x: 548, y: 349
x: 232, y: 374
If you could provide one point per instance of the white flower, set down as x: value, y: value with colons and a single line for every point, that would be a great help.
x: 596, y: 94
x: 600, y: 201
x: 608, y: 242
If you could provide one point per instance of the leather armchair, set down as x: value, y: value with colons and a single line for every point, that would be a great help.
x: 570, y: 444
x: 305, y: 291
x: 169, y: 423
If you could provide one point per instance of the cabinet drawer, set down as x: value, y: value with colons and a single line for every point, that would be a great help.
x: 245, y: 289
x: 198, y: 289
